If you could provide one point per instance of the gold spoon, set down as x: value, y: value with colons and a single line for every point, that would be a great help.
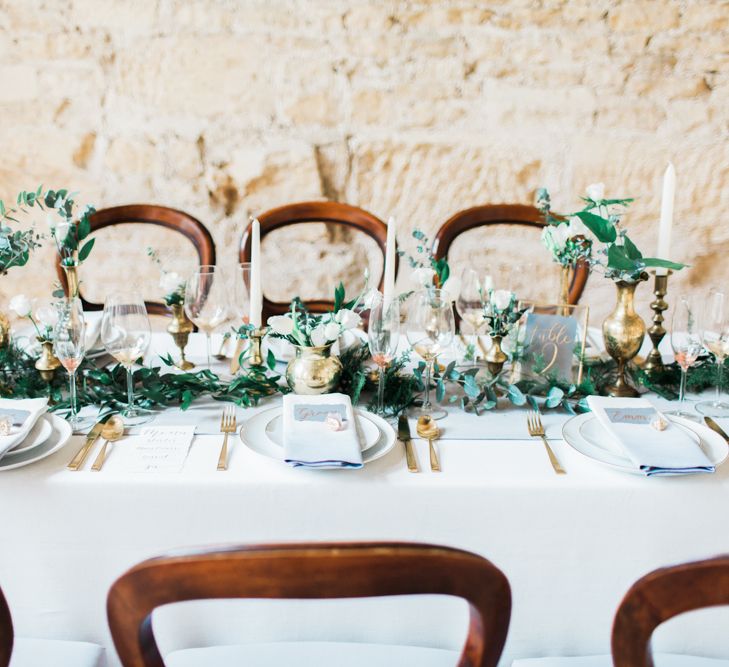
x: 428, y: 429
x: 112, y: 431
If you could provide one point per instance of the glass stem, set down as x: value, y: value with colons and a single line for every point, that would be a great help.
x: 72, y: 393
x: 682, y: 389
x: 720, y: 376
x: 381, y: 391
x: 209, y: 343
x: 428, y: 371
x: 130, y: 390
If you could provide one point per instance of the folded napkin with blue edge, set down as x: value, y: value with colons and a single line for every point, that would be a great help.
x: 320, y: 432
x: 23, y: 414
x: 632, y: 423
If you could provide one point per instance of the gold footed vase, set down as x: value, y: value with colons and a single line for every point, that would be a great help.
x: 47, y: 363
x: 180, y: 329
x: 495, y: 357
x: 71, y: 281
x: 623, y: 332
x: 314, y: 371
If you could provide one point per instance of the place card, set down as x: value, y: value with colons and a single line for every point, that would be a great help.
x: 159, y: 448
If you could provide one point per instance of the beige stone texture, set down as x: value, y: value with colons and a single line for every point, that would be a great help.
x: 411, y: 108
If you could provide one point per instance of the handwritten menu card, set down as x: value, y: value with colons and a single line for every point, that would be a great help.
x: 160, y: 448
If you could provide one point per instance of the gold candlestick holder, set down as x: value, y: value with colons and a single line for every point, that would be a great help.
x: 255, y: 356
x: 654, y: 360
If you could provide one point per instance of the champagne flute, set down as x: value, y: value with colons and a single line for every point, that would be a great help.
x: 470, y: 303
x: 126, y: 334
x: 69, y: 346
x: 430, y: 330
x: 687, y: 345
x: 715, y: 326
x: 383, y: 333
x: 206, y: 303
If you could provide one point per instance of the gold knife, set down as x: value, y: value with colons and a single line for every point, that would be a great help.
x: 403, y: 434
x: 91, y: 437
x: 715, y: 427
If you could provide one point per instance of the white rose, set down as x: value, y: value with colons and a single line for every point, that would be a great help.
x: 47, y: 316
x: 21, y: 305
x: 170, y: 281
x: 332, y: 331
x: 578, y: 228
x: 281, y: 324
x: 423, y: 277
x: 348, y: 318
x: 318, y: 336
x: 596, y: 191
x: 501, y: 298
x: 452, y: 287
x: 51, y: 220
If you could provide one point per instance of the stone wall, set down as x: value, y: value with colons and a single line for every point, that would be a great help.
x: 408, y: 108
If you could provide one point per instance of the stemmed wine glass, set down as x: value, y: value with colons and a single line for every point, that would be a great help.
x: 383, y: 333
x: 430, y: 329
x: 715, y: 325
x: 206, y: 303
x: 126, y: 334
x: 470, y: 302
x: 241, y: 293
x: 69, y: 346
x: 687, y: 345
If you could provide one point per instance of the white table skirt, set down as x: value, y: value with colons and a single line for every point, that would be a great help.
x: 570, y: 545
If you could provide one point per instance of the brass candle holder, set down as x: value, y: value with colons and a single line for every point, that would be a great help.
x: 255, y: 355
x: 180, y: 329
x: 654, y: 361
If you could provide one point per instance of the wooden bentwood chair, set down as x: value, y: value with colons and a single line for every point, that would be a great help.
x: 500, y: 214
x: 42, y: 652
x: 311, y: 571
x: 312, y: 212
x: 651, y: 601
x: 170, y: 218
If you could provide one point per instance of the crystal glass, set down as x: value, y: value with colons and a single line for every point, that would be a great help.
x: 715, y: 330
x: 241, y: 294
x: 206, y: 301
x: 383, y: 334
x: 126, y: 333
x: 470, y: 302
x: 430, y: 328
x: 687, y: 345
x: 69, y: 346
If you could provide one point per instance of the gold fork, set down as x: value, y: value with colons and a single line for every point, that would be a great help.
x: 536, y: 430
x: 227, y: 425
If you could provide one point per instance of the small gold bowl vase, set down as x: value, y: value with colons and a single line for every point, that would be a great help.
x: 313, y: 370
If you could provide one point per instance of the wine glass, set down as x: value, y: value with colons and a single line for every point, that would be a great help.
x: 126, y: 334
x: 715, y: 326
x: 241, y: 293
x: 383, y: 333
x: 206, y: 303
x: 430, y: 329
x: 69, y: 346
x: 687, y: 345
x: 470, y: 303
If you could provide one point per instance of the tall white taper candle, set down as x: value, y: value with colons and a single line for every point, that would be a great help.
x: 664, y: 230
x: 388, y: 288
x: 256, y: 296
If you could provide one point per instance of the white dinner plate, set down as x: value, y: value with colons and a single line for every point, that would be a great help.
x: 40, y: 432
x: 255, y: 436
x: 586, y: 435
x: 60, y: 435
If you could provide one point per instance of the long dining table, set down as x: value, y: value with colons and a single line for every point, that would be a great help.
x: 571, y: 545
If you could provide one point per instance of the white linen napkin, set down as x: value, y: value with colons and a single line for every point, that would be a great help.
x: 23, y: 414
x: 310, y: 441
x: 629, y: 422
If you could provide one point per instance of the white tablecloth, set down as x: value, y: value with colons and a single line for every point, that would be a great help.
x: 571, y: 545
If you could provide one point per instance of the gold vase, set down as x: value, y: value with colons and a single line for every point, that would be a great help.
x: 623, y: 332
x: 47, y: 363
x: 565, y: 282
x: 71, y: 280
x: 314, y: 370
x: 4, y: 329
x: 180, y: 329
x: 495, y: 357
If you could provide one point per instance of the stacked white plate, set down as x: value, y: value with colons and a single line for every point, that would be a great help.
x: 49, y: 434
x: 263, y: 434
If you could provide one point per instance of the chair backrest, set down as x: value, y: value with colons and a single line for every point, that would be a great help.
x: 312, y: 212
x: 161, y: 216
x: 658, y: 597
x: 6, y: 632
x: 501, y: 214
x: 311, y: 571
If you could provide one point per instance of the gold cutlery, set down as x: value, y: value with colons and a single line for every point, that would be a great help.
x: 716, y: 428
x: 112, y: 431
x: 228, y: 424
x: 403, y: 434
x: 91, y: 437
x: 534, y: 424
x: 427, y: 428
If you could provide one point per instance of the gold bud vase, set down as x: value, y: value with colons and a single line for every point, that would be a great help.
x: 314, y: 370
x: 47, y: 363
x: 4, y: 329
x: 623, y: 332
x: 495, y: 357
x: 180, y: 329
x: 71, y: 280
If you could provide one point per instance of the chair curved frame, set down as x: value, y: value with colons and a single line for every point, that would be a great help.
x: 6, y: 632
x: 308, y: 212
x: 658, y: 597
x: 162, y: 216
x: 311, y: 571
x: 501, y: 214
